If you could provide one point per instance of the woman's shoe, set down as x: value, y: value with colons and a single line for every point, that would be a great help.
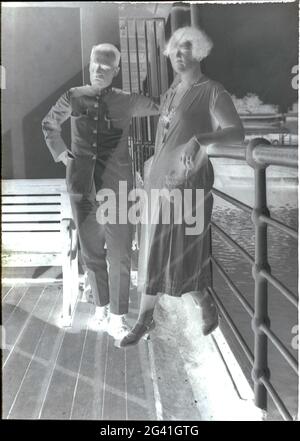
x: 139, y: 331
x: 210, y: 324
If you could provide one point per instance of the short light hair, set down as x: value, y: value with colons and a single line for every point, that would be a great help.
x: 107, y: 48
x: 201, y: 43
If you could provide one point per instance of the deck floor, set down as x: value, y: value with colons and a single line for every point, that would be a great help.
x: 50, y: 372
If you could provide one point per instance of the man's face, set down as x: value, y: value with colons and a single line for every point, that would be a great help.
x: 181, y: 56
x: 102, y: 68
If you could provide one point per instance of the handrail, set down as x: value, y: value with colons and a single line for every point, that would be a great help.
x: 237, y: 151
x: 282, y: 155
x: 281, y: 288
x: 280, y: 346
x: 258, y: 154
x: 279, y: 225
x: 262, y: 116
x: 235, y: 290
x: 263, y: 155
x: 233, y: 201
x: 276, y: 398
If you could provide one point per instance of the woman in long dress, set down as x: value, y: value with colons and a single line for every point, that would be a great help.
x: 195, y: 112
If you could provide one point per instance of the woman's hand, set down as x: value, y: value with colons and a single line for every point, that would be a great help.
x: 188, y: 156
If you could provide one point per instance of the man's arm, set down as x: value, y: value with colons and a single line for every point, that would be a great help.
x: 51, y: 126
x: 144, y: 106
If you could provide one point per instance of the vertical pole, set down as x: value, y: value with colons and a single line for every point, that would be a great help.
x: 81, y: 43
x: 260, y: 367
x: 180, y: 16
x: 196, y: 21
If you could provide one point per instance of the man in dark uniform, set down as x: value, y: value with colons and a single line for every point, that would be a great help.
x: 99, y: 159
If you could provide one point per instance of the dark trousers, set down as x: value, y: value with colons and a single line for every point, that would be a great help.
x: 109, y: 286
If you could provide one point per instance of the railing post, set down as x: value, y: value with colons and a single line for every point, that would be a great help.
x: 210, y: 255
x: 260, y: 367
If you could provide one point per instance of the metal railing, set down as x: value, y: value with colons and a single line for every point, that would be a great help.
x: 259, y: 154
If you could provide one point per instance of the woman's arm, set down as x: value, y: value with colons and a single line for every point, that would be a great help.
x: 230, y: 131
x: 230, y: 126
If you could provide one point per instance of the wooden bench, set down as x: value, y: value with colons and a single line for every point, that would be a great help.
x: 38, y: 230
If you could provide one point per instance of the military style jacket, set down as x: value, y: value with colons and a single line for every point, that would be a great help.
x: 100, y: 124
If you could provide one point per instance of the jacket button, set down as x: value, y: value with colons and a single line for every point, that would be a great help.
x: 94, y: 131
x: 94, y: 144
x: 96, y: 118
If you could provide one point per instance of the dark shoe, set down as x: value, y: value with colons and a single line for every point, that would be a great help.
x: 209, y: 312
x: 139, y: 331
x: 210, y: 325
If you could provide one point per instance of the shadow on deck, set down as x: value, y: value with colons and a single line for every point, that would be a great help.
x: 51, y: 372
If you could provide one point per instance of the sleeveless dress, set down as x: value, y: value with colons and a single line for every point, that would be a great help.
x: 170, y: 260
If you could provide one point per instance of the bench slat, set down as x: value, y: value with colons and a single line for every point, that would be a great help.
x: 30, y: 227
x: 31, y: 217
x: 38, y: 242
x: 31, y: 208
x: 35, y: 186
x: 31, y: 259
x: 41, y: 199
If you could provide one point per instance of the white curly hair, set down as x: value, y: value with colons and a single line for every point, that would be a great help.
x: 201, y: 43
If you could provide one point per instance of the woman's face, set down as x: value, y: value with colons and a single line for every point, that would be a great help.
x: 181, y: 56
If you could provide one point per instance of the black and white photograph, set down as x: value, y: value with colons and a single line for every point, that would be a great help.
x: 149, y: 214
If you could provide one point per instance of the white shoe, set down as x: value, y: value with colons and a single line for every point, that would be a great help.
x: 118, y: 326
x: 99, y: 321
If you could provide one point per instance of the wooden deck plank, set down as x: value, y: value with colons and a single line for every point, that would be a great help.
x: 52, y: 333
x: 20, y: 317
x: 12, y: 378
x: 114, y: 407
x: 30, y: 396
x: 15, y: 369
x: 28, y: 401
x: 5, y: 291
x: 80, y: 381
x: 38, y: 320
x: 59, y: 394
x: 140, y: 398
x: 88, y: 399
x: 11, y: 301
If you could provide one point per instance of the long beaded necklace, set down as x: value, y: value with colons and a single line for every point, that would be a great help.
x: 169, y: 110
